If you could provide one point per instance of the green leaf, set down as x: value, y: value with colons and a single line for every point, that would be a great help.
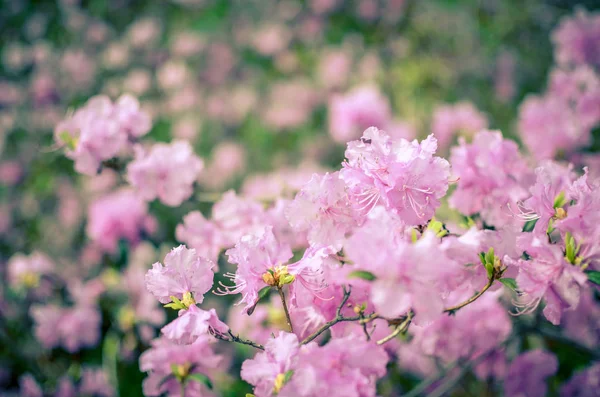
x: 559, y: 200
x: 201, y: 378
x: 264, y: 292
x: 489, y: 268
x: 287, y: 376
x: 529, y: 225
x: 593, y: 276
x: 110, y: 353
x: 362, y: 274
x: 250, y: 395
x: 509, y: 282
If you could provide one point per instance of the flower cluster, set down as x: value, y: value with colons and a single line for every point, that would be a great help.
x: 402, y: 253
x: 101, y: 130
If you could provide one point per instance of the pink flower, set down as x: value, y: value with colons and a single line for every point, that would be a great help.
x: 460, y: 119
x: 472, y: 331
x: 491, y: 174
x: 28, y: 387
x: 73, y: 328
x: 267, y: 370
x: 359, y: 109
x: 131, y: 118
x: 547, y: 276
x: 100, y: 130
x: 552, y: 180
x: 257, y: 256
x: 184, y: 272
x: 553, y: 125
x: 236, y: 216
x: 576, y: 39
x: 27, y: 270
x: 528, y: 372
x: 323, y: 209
x: 336, y: 370
x: 95, y: 382
x: 402, y: 176
x: 407, y: 275
x: 201, y: 234
x: 118, y: 215
x: 165, y: 357
x: 166, y: 172
x: 583, y: 219
x: 193, y: 323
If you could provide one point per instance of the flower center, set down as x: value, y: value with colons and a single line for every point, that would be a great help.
x: 278, y: 276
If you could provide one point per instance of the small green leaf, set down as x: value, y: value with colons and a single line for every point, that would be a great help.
x: 529, y: 225
x: 201, y: 378
x: 362, y: 274
x: 413, y: 236
x: 559, y: 200
x: 509, y: 282
x: 250, y: 395
x: 287, y: 376
x: 264, y: 292
x: 489, y: 268
x: 593, y: 276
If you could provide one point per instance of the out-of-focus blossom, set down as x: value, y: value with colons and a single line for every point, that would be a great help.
x: 166, y: 172
x: 100, y: 130
x: 289, y: 104
x: 492, y: 176
x: 335, y: 370
x: 73, y: 328
x: 28, y: 270
x: 334, y: 69
x: 144, y: 32
x: 202, y: 235
x: 584, y: 383
x: 28, y: 387
x: 505, y: 79
x: 236, y: 216
x: 167, y: 361
x: 351, y: 114
x: 577, y: 39
x: 528, y: 372
x: 271, y: 39
x: 94, y: 381
x: 119, y: 215
x: 228, y: 160
x: 460, y: 119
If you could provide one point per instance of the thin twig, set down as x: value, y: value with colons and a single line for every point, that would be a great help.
x: 338, y: 318
x: 471, y: 299
x: 285, y: 308
x: 400, y: 328
x: 237, y: 339
x: 364, y: 326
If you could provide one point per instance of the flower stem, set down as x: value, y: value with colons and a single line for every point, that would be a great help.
x: 471, y: 299
x: 402, y: 327
x: 338, y: 318
x: 285, y: 308
x: 236, y: 339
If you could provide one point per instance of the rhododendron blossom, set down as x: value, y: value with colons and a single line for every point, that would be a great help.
x: 184, y: 275
x: 358, y: 230
x: 166, y: 172
x: 100, y: 130
x: 403, y: 176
